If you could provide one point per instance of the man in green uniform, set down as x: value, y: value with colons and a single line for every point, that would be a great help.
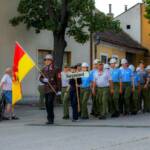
x: 85, y: 91
x: 127, y: 78
x: 65, y: 92
x: 103, y: 84
x: 117, y: 85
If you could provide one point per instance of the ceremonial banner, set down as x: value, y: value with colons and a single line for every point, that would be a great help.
x: 77, y: 75
x: 21, y: 67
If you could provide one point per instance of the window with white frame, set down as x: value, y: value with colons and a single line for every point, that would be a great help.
x: 104, y: 57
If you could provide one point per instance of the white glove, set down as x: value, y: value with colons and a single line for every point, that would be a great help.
x: 45, y: 80
x: 58, y: 93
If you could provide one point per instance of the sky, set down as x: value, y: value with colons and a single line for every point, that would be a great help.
x: 118, y: 6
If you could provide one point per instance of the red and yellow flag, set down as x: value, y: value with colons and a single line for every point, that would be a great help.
x: 21, y: 67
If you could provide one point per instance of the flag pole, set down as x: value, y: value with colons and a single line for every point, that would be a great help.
x: 45, y: 77
x: 77, y: 92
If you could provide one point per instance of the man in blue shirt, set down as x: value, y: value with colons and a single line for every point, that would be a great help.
x: 117, y: 86
x: 65, y: 97
x: 95, y: 104
x: 126, y: 77
x: 85, y: 90
x: 135, y: 91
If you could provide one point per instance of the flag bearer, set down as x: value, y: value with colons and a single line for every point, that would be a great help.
x: 135, y: 94
x: 95, y: 104
x: 117, y: 85
x: 65, y: 92
x: 103, y: 84
x: 85, y: 91
x: 126, y: 77
x: 49, y: 77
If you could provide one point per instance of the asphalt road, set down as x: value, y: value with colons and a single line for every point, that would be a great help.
x: 31, y: 133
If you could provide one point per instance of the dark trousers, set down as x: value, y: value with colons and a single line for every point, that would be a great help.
x: 74, y: 105
x: 49, y: 102
x: 121, y: 103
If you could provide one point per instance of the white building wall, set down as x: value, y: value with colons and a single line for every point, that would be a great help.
x: 80, y: 52
x: 31, y: 42
x: 132, y: 17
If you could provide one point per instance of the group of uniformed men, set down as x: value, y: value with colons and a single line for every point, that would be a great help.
x: 114, y: 89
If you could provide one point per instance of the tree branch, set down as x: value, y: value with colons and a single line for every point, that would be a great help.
x: 51, y: 11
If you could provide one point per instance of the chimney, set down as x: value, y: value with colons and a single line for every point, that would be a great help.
x: 126, y: 7
x: 110, y: 8
x: 110, y: 14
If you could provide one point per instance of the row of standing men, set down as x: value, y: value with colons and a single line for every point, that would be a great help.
x: 114, y: 90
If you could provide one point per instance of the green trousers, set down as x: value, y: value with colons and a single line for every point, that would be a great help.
x: 146, y: 98
x: 95, y: 106
x: 134, y: 101
x: 102, y: 96
x: 114, y: 99
x: 84, y: 97
x: 42, y: 96
x: 65, y: 100
x: 126, y: 96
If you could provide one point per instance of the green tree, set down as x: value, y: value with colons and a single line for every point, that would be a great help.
x: 147, y: 15
x: 76, y: 18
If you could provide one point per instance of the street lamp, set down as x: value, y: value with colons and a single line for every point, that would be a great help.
x: 97, y: 42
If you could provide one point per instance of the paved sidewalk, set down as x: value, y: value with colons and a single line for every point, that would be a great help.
x: 31, y: 133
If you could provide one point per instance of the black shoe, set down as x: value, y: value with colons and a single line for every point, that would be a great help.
x: 133, y: 113
x: 92, y: 114
x: 66, y: 117
x: 85, y: 118
x: 102, y: 117
x: 126, y: 114
x: 42, y: 108
x: 49, y: 122
x: 6, y: 118
x: 79, y: 114
x: 115, y: 115
x: 75, y: 120
x: 14, y: 118
x: 1, y: 118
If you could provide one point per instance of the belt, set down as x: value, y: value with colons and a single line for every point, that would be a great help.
x: 116, y: 83
x: 85, y: 87
x: 102, y: 87
x: 142, y: 84
x: 126, y: 83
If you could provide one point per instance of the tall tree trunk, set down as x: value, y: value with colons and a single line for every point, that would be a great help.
x: 59, y: 48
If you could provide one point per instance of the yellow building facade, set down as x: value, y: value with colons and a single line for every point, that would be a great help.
x: 105, y: 52
x: 118, y: 45
x: 145, y: 32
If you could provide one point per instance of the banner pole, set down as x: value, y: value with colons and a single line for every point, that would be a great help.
x: 78, y: 100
